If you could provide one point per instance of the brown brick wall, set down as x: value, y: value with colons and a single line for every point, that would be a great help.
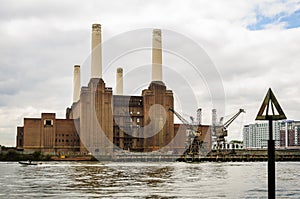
x: 103, y: 120
x: 32, y: 134
x: 96, y: 120
x: 49, y: 135
x: 66, y: 137
x: 157, y: 94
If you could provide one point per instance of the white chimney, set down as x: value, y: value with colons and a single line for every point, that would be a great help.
x: 199, y: 116
x: 156, y: 56
x: 76, y: 84
x: 214, y: 117
x: 96, y: 65
x: 119, y: 81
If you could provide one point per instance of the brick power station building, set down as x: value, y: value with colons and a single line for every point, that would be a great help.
x: 101, y: 121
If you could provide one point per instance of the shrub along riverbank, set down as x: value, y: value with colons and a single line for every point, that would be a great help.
x: 13, y: 155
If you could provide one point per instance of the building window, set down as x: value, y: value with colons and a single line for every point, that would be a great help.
x: 138, y: 112
x: 137, y: 119
x: 130, y: 112
x: 48, y: 122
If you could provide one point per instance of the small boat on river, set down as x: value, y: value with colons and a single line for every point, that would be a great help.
x: 27, y: 163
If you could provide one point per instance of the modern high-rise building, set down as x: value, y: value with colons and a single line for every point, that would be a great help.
x: 257, y: 135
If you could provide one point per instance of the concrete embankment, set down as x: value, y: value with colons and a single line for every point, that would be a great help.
x: 244, y: 156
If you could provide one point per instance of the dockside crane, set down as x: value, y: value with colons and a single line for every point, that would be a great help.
x: 220, y: 131
x: 193, y: 142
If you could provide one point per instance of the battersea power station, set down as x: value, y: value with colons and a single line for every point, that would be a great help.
x: 102, y: 122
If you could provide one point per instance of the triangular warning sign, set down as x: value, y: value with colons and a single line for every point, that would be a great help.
x: 269, y: 102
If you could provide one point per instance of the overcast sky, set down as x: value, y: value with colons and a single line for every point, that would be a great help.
x: 253, y: 45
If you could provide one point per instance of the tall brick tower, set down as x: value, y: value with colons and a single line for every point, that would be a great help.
x: 96, y: 119
x: 157, y: 100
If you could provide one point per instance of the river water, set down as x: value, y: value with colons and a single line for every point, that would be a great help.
x: 147, y: 180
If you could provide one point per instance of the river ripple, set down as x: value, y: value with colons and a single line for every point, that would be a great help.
x: 146, y: 180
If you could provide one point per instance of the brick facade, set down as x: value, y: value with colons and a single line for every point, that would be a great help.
x: 48, y: 135
x: 101, y: 123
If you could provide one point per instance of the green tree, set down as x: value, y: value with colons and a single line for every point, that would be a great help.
x: 11, y: 155
x: 36, y: 155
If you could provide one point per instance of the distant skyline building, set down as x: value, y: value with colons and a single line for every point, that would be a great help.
x: 285, y: 133
x: 290, y: 133
x: 257, y: 135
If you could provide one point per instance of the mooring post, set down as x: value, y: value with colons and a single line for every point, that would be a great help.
x: 271, y: 162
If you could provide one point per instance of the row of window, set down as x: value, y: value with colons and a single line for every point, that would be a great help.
x: 62, y: 135
x: 62, y: 140
x: 128, y: 128
x: 130, y: 120
x: 138, y: 112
